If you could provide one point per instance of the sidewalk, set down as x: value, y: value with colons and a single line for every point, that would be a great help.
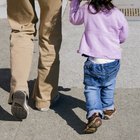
x: 67, y: 120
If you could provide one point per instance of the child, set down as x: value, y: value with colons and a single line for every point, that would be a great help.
x: 105, y: 29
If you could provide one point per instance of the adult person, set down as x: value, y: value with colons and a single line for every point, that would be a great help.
x: 23, y: 18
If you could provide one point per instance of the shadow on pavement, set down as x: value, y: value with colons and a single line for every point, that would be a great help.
x: 31, y: 86
x: 5, y: 116
x: 65, y: 107
x: 5, y: 76
x: 5, y: 79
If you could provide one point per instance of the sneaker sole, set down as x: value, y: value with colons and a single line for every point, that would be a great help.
x: 19, y: 106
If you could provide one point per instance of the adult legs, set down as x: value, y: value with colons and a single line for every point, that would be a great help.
x: 22, y: 19
x: 50, y: 36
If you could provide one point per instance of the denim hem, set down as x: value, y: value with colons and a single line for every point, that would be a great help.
x: 109, y: 108
x: 90, y: 113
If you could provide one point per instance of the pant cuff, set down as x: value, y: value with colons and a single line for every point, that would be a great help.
x: 42, y: 104
x: 109, y: 107
x: 90, y: 113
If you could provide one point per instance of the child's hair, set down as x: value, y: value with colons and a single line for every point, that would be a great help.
x: 100, y: 5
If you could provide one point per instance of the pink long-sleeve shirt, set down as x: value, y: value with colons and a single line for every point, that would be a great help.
x: 103, y: 31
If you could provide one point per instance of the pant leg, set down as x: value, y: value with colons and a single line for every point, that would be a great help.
x: 92, y: 82
x: 93, y: 101
x: 107, y: 95
x: 22, y: 19
x: 50, y: 36
x: 107, y: 92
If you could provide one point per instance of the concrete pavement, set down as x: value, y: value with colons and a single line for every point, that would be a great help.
x: 66, y: 120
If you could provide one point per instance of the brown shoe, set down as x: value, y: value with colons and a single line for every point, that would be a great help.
x: 93, y: 123
x: 108, y: 114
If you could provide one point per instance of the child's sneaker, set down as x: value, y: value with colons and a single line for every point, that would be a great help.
x: 108, y: 114
x: 93, y: 123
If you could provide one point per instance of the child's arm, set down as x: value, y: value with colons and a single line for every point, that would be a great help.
x: 76, y: 16
x: 124, y: 30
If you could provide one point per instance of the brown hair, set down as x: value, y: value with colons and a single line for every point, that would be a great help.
x: 100, y: 5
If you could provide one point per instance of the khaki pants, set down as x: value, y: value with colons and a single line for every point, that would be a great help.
x: 22, y: 18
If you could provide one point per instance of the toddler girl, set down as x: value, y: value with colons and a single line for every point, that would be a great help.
x: 105, y: 29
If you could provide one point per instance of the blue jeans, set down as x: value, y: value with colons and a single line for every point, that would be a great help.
x: 99, y: 81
